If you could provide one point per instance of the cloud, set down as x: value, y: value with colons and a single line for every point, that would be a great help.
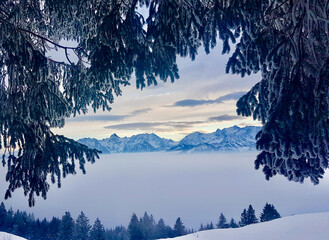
x: 231, y: 96
x: 192, y: 103
x: 95, y: 117
x: 222, y: 118
x: 105, y: 118
x: 169, y: 126
x: 154, y: 126
x: 199, y: 102
x: 140, y: 111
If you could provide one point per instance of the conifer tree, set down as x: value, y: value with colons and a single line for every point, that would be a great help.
x: 161, y: 230
x: 97, y: 232
x: 66, y: 227
x: 118, y: 233
x: 54, y: 227
x: 179, y: 228
x: 82, y: 227
x: 3, y: 216
x: 201, y: 227
x: 284, y: 40
x: 9, y: 220
x: 222, y: 222
x: 148, y: 226
x: 211, y: 226
x: 248, y: 217
x: 269, y: 213
x: 233, y: 224
x: 244, y: 218
x: 135, y: 229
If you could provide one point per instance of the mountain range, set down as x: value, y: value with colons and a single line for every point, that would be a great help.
x: 228, y: 139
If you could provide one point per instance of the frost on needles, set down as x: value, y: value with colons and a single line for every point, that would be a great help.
x: 287, y: 41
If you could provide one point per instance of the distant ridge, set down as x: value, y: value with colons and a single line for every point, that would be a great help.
x: 228, y: 139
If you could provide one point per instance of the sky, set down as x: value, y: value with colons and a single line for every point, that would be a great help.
x: 203, y: 99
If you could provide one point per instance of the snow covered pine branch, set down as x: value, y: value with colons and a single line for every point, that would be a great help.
x: 287, y: 41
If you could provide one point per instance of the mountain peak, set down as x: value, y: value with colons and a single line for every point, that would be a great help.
x: 114, y: 135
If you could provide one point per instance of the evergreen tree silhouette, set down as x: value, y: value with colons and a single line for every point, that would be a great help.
x: 97, y: 232
x: 222, y: 222
x: 66, y: 227
x: 179, y: 228
x: 269, y: 213
x: 82, y: 227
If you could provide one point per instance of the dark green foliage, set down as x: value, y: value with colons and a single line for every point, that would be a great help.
x: 82, y: 227
x: 248, y: 217
x: 285, y: 40
x: 244, y: 218
x: 210, y: 226
x: 135, y: 229
x: 3, y: 216
x: 21, y: 224
x: 292, y: 98
x: 202, y: 228
x: 25, y: 225
x: 233, y: 224
x: 162, y: 230
x: 53, y: 229
x: 66, y: 228
x: 118, y: 233
x: 179, y: 228
x: 148, y: 227
x: 222, y: 222
x: 251, y: 215
x: 269, y: 213
x: 97, y: 232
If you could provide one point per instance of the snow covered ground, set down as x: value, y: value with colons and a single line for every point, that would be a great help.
x: 297, y: 227
x: 7, y: 236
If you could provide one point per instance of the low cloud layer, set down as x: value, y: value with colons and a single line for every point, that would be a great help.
x: 222, y: 118
x: 154, y: 126
x: 140, y: 111
x: 167, y: 126
x: 199, y: 102
x: 105, y: 118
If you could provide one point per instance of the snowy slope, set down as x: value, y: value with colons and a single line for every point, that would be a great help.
x: 7, y: 236
x: 298, y: 227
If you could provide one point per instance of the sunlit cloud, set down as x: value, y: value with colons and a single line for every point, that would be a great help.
x: 140, y: 111
x: 154, y: 125
x: 107, y: 117
x: 96, y: 117
x: 171, y: 125
x: 201, y: 100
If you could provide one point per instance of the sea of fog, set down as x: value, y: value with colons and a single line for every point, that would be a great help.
x: 195, y: 187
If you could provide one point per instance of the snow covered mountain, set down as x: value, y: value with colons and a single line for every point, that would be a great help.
x: 138, y: 143
x: 299, y: 227
x: 227, y: 139
x: 7, y: 236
